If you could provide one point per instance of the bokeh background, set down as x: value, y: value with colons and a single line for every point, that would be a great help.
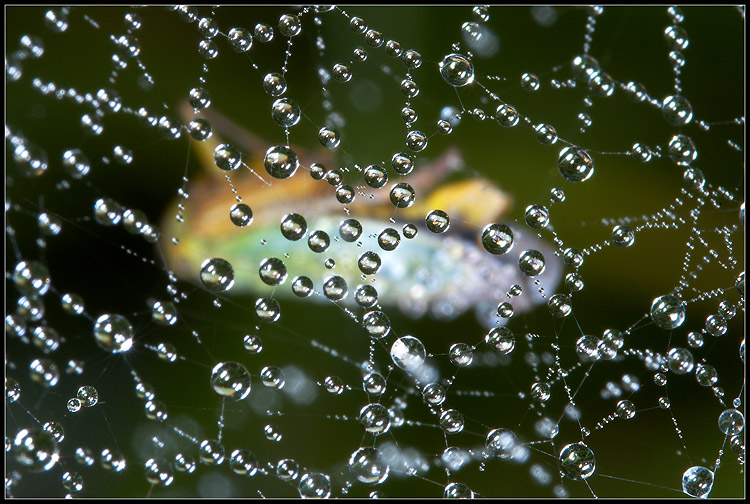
x: 106, y: 266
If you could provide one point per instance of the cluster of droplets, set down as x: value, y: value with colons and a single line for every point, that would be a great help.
x: 409, y: 357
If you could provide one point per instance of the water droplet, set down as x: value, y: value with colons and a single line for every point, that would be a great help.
x: 231, y: 381
x: 577, y: 461
x: 697, y: 482
x: 375, y: 419
x: 575, y: 164
x: 531, y: 262
x: 318, y: 241
x: 437, y: 221
x: 335, y: 288
x: 113, y: 333
x: 293, y: 226
x: 217, y: 275
x: 456, y: 70
x: 402, y: 195
x: 272, y: 271
x: 240, y: 39
x: 367, y: 466
x: 267, y: 309
x: 497, y: 238
x: 281, y: 162
x: 408, y: 353
x: 501, y: 340
x: 668, y: 312
x: 623, y: 236
x: 241, y: 215
x: 314, y: 486
x: 731, y: 422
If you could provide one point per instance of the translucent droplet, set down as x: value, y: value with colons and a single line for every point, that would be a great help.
x: 451, y: 421
x: 408, y: 353
x: 375, y: 419
x: 240, y: 39
x: 329, y: 138
x: 367, y: 467
x: 434, y: 393
x: 501, y: 340
x: 437, y: 221
x: 211, y: 452
x: 274, y: 84
x: 243, y: 462
x: 287, y: 469
x: 286, y: 113
x: 601, y: 84
x: 76, y: 163
x: 252, y: 343
x: 267, y: 309
x: 230, y: 380
x: 575, y: 164
x: 88, y: 396
x: 314, y: 486
x: 289, y: 25
x: 456, y: 490
x: 682, y: 150
x: 293, y: 226
x: 241, y: 215
x: 416, y: 141
x: 113, y: 333
x: 531, y: 262
x: 335, y: 288
x: 402, y: 195
x: 530, y: 82
x: 272, y: 271
x: 217, y: 275
x: 200, y: 129
x: 388, y: 239
x: 456, y: 70
x: 281, y: 161
x: 374, y: 383
x: 546, y: 134
x: 577, y: 461
x: 273, y: 377
x: 263, y: 32
x: 461, y: 354
x: 159, y: 472
x: 536, y: 216
x: 107, y: 212
x: 36, y: 450
x: 676, y: 37
x: 677, y: 110
x: 697, y: 481
x: 706, y: 375
x: 302, y: 286
x: 31, y: 278
x: 341, y: 73
x: 74, y: 405
x: 623, y: 236
x: 318, y: 241
x: 506, y: 115
x: 500, y: 443
x: 497, y: 238
x: 625, y: 409
x: 668, y: 312
x: 731, y: 422
x: 680, y: 360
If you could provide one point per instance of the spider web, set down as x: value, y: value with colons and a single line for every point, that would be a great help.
x: 96, y: 111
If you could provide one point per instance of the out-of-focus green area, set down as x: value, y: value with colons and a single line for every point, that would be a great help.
x: 635, y: 458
